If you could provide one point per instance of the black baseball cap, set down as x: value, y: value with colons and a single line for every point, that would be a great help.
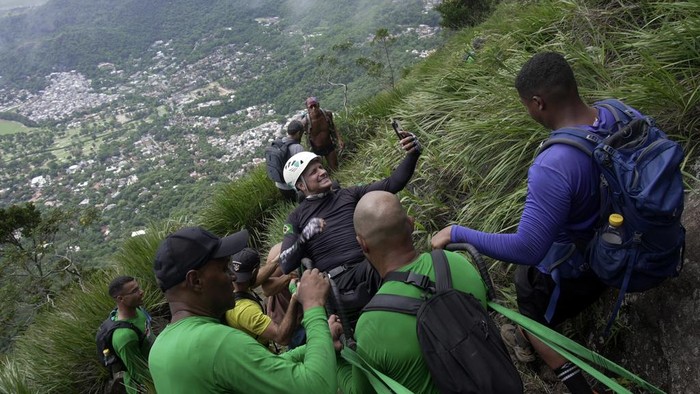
x: 244, y: 263
x: 191, y: 248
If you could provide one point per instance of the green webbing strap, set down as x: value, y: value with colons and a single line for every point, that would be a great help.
x: 381, y: 383
x: 570, y: 349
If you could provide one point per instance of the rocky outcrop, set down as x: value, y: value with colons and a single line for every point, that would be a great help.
x: 663, y: 342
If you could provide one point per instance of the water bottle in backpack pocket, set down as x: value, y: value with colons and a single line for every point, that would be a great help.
x: 609, y: 250
x: 640, y: 263
x: 636, y: 264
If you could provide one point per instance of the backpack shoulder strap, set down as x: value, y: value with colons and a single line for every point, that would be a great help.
x: 443, y: 277
x: 394, y: 303
x: 411, y: 278
x: 306, y: 121
x: 329, y: 119
x: 117, y: 324
x: 145, y: 312
x: 285, y: 146
x: 409, y: 305
x: 244, y: 295
x: 578, y: 138
x: 622, y: 112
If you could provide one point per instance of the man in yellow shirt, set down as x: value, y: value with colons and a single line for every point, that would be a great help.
x: 248, y: 314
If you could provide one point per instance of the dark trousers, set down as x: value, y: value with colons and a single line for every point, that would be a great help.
x: 534, y: 290
x: 354, y: 288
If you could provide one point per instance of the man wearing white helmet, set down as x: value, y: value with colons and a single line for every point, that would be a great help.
x: 321, y: 227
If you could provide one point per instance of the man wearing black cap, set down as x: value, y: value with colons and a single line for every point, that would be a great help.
x: 249, y: 314
x: 197, y: 354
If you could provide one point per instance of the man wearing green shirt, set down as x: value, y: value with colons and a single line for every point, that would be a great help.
x: 132, y: 351
x: 198, y: 354
x: 384, y: 232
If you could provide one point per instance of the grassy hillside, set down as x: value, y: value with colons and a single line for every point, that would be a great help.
x: 478, y: 142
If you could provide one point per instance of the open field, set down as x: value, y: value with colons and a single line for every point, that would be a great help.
x: 10, y: 127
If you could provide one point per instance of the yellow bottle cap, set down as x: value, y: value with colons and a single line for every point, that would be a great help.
x: 105, y: 352
x: 616, y: 220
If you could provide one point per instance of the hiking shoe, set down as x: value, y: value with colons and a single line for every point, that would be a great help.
x: 514, y: 339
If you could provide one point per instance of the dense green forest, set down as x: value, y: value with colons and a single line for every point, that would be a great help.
x: 478, y: 143
x: 182, y: 77
x: 49, y: 39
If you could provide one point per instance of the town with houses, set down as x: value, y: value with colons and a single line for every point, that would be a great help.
x: 108, y: 140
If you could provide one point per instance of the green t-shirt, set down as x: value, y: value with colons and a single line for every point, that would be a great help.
x: 134, y: 356
x: 200, y: 355
x: 388, y: 340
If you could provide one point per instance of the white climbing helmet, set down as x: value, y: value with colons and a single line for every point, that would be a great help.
x: 296, y: 165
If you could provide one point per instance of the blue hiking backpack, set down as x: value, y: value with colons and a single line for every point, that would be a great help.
x: 640, y: 178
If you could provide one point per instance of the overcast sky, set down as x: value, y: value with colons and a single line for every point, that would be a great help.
x: 19, y: 3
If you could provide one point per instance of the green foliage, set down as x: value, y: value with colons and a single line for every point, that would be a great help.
x: 59, y: 348
x: 13, y: 378
x: 35, y: 262
x: 13, y: 116
x: 274, y: 224
x: 384, y: 41
x: 241, y: 204
x: 477, y: 138
x: 458, y: 14
x: 374, y: 68
x: 11, y: 127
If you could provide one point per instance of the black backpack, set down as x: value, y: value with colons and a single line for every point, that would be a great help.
x: 460, y: 343
x: 103, y: 340
x: 276, y: 155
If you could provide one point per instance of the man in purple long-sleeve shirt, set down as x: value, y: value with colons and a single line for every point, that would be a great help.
x: 561, y: 208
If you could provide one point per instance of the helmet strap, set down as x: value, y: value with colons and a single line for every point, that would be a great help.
x: 316, y: 196
x: 312, y: 196
x: 303, y: 181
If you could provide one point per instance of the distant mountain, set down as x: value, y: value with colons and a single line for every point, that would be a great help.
x: 65, y: 35
x: 136, y: 108
x: 17, y: 5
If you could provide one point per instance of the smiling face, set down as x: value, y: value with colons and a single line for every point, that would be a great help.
x: 314, y: 179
